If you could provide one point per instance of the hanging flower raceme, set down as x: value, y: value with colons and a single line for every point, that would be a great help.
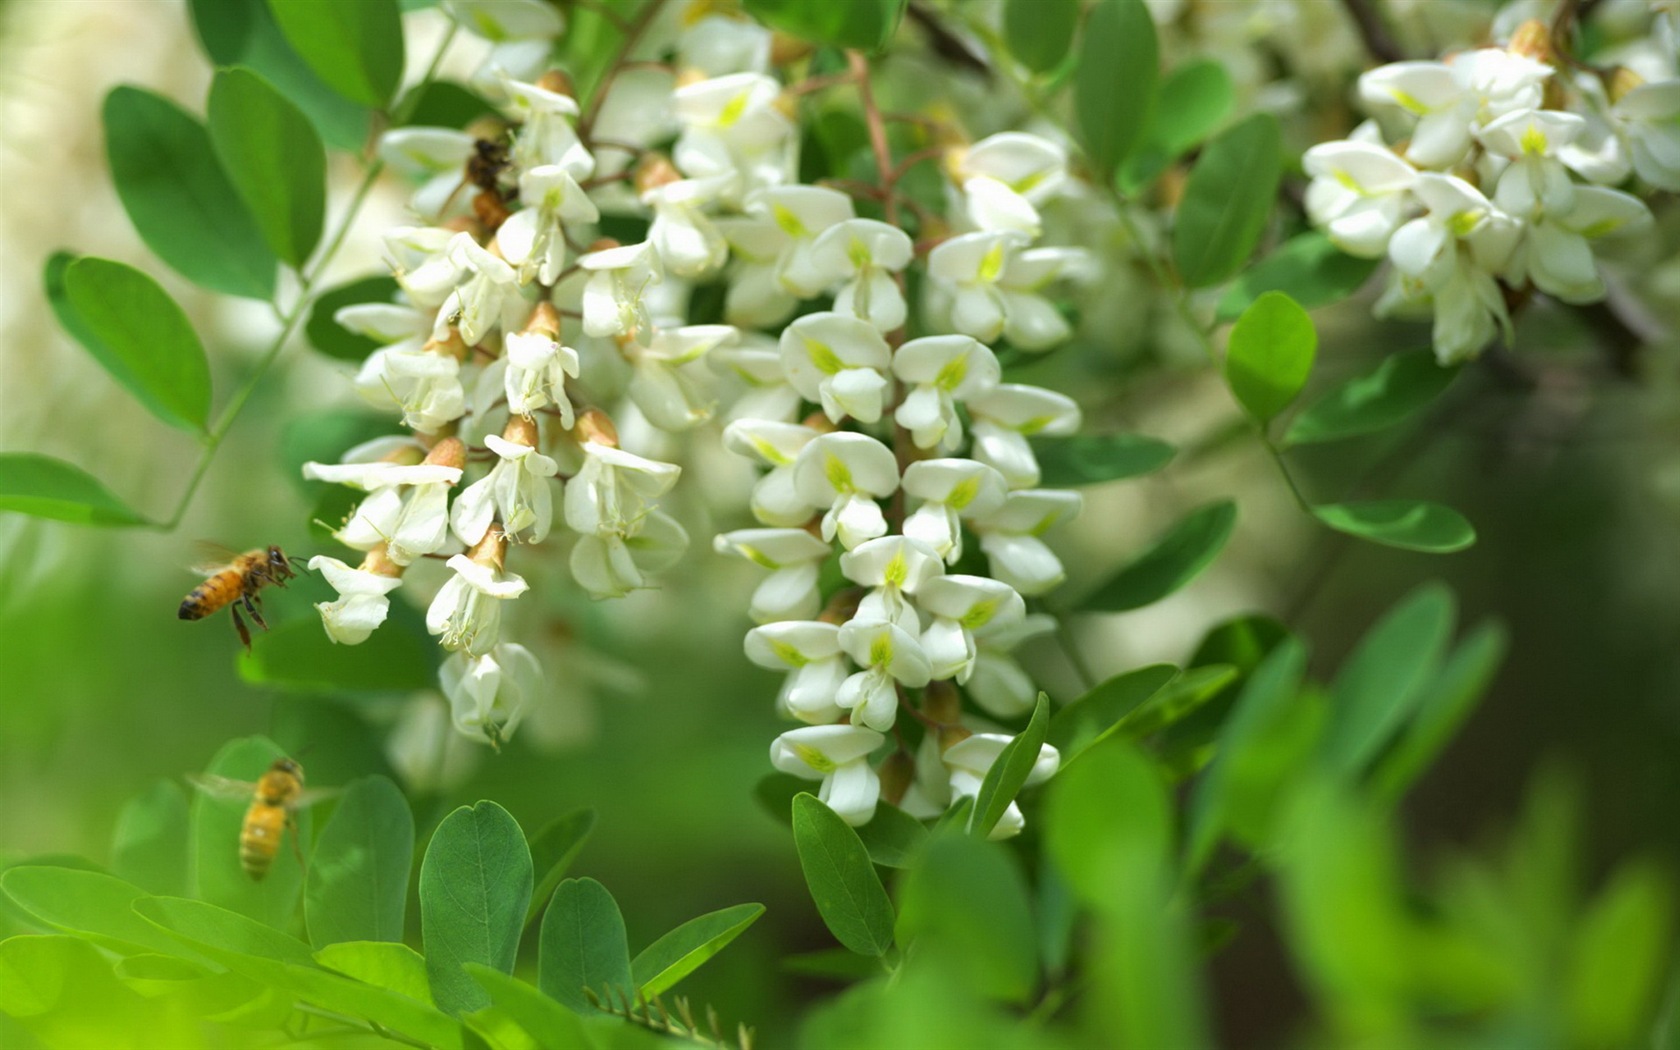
x: 839, y: 757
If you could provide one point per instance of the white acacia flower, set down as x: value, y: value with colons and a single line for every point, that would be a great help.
x: 669, y: 381
x: 406, y: 508
x: 775, y: 499
x: 535, y: 372
x: 861, y: 255
x: 1650, y: 118
x: 731, y: 124
x: 499, y: 21
x: 722, y: 42
x: 1443, y: 104
x: 839, y: 757
x: 618, y: 279
x: 1005, y: 416
x: 489, y: 694
x: 611, y: 565
x: 534, y: 237
x: 363, y: 600
x: 889, y: 656
x: 951, y: 490
x: 1554, y: 253
x: 546, y: 136
x: 614, y: 491
x: 969, y: 268
x: 847, y: 473
x: 756, y: 297
x: 489, y: 300
x: 892, y: 567
x: 801, y: 213
x: 1536, y: 182
x: 421, y: 260
x: 940, y: 371
x: 518, y: 492
x: 794, y: 558
x: 838, y: 361
x: 1004, y: 177
x: 969, y: 760
x: 1358, y: 194
x: 467, y: 612
x: 756, y: 361
x: 688, y: 242
x: 424, y: 386
x: 998, y: 683
x: 961, y: 605
x: 1453, y: 252
x: 809, y: 650
x: 393, y: 324
x: 1010, y: 538
x: 434, y: 155
x: 1031, y: 321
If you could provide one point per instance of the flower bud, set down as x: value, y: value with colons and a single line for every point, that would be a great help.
x: 843, y: 606
x: 1620, y: 82
x: 601, y: 245
x: 595, y: 426
x: 448, y: 452
x: 378, y: 562
x: 786, y: 48
x: 545, y: 320
x: 522, y: 430
x: 452, y: 345
x: 1533, y: 39
x: 653, y: 171
x: 690, y: 76
x: 897, y: 773
x: 819, y: 422
x: 951, y: 735
x: 941, y: 703
x: 491, y: 550
x: 559, y: 82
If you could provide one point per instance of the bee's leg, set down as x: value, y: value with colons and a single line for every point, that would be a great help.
x: 239, y: 625
x: 256, y: 613
x: 297, y: 844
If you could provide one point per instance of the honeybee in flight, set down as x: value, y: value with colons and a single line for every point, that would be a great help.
x: 234, y: 580
x: 275, y: 800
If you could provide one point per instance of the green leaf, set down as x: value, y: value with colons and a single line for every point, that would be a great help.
x: 443, y: 104
x: 892, y: 836
x: 1227, y: 201
x: 243, y: 33
x: 833, y: 964
x: 1085, y: 721
x: 178, y: 197
x: 356, y: 48
x: 847, y: 892
x: 1263, y: 704
x: 1175, y: 559
x: 547, y: 1022
x: 332, y: 338
x: 205, y: 925
x: 1307, y: 267
x: 51, y: 488
x: 149, y: 845
x: 1179, y: 699
x: 65, y: 994
x: 217, y: 823
x: 1401, y: 385
x: 1040, y: 32
x: 357, y: 887
x: 552, y: 852
x: 475, y: 883
x: 966, y: 902
x: 1618, y: 956
x: 1009, y: 772
x: 1382, y: 681
x: 1194, y: 99
x: 1270, y: 355
x: 1102, y: 817
x: 394, y: 967
x: 274, y: 158
x: 299, y: 656
x: 1445, y: 702
x: 775, y: 793
x: 863, y: 24
x: 1414, y: 525
x: 88, y: 903
x: 141, y: 336
x: 1088, y: 459
x: 682, y: 951
x: 583, y: 946
x: 1115, y: 84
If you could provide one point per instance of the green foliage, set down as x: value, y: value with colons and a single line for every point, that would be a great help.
x: 475, y: 883
x: 274, y: 158
x: 583, y: 948
x: 867, y: 25
x: 137, y: 333
x: 1415, y: 525
x: 965, y: 901
x: 50, y: 488
x: 1089, y: 459
x: 1116, y: 82
x: 179, y: 199
x: 149, y: 845
x: 218, y: 876
x: 1171, y: 562
x: 1040, y: 32
x: 1307, y: 268
x: 685, y: 949
x: 299, y: 656
x: 1105, y: 708
x: 1270, y: 355
x: 1195, y: 98
x: 1227, y: 201
x: 1397, y: 388
x: 357, y: 886
x: 1008, y: 774
x: 356, y: 49
x: 383, y: 964
x: 848, y: 894
x: 552, y: 851
x: 892, y: 836
x: 332, y: 338
x: 1445, y: 703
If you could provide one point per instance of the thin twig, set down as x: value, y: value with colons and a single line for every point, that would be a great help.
x: 632, y: 35
x: 1378, y: 41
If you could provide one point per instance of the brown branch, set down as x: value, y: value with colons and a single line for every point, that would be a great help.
x: 1378, y: 41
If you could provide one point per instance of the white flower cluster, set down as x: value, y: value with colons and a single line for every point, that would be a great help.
x: 1493, y: 170
x: 514, y: 340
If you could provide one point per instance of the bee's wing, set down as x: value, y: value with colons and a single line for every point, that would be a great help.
x: 222, y: 787
x: 210, y: 557
x: 310, y: 796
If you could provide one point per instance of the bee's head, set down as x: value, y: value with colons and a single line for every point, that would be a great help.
x: 278, y: 562
x: 287, y: 765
